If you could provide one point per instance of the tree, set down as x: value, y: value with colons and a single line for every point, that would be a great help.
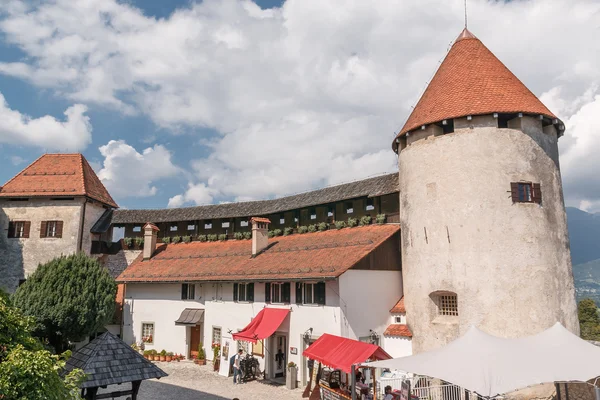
x: 27, y: 371
x: 589, y: 321
x: 71, y: 298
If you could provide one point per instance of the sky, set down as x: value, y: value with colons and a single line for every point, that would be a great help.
x: 178, y: 103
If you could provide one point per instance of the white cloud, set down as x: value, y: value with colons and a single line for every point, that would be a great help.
x: 306, y: 95
x: 127, y: 173
x: 46, y: 132
x: 16, y: 160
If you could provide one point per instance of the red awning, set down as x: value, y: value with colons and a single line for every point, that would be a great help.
x: 263, y: 325
x: 340, y: 353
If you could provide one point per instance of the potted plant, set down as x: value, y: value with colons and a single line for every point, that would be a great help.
x: 128, y: 243
x: 186, y: 239
x: 352, y: 222
x: 312, y: 228
x: 169, y: 356
x: 365, y: 220
x: 380, y: 218
x: 176, y: 239
x: 291, y: 379
x: 163, y: 355
x: 222, y: 237
x: 288, y: 231
x: 247, y: 235
x: 139, y: 242
x: 147, y: 354
x: 323, y: 226
x: 154, y: 355
x: 201, y: 356
x: 216, y: 347
x: 238, y: 235
x: 340, y: 224
x: 166, y: 240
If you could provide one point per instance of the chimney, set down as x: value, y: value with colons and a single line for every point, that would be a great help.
x: 150, y: 234
x: 260, y: 234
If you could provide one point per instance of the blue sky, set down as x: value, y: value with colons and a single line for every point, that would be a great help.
x: 184, y: 102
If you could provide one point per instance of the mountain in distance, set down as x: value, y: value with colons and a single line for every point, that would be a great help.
x: 584, y: 233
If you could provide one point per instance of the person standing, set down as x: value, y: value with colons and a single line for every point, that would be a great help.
x: 236, y: 367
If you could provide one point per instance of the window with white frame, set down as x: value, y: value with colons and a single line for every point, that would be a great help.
x: 137, y: 228
x: 207, y: 224
x: 216, y: 335
x: 218, y: 291
x: 370, y: 204
x: 243, y: 223
x: 447, y: 304
x: 310, y: 293
x: 188, y: 291
x: 349, y: 207
x: 281, y: 220
x: 313, y: 213
x: 243, y: 292
x: 51, y: 229
x: 330, y: 211
x: 276, y: 293
x: 225, y: 225
x: 398, y: 319
x: 191, y: 227
x: 148, y: 332
x: 173, y: 228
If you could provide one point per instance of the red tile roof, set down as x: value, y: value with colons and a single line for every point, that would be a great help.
x: 399, y: 307
x: 152, y: 226
x: 260, y: 219
x: 472, y: 81
x: 320, y: 255
x: 398, y: 330
x: 58, y: 175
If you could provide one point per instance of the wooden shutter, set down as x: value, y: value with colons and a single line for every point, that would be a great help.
x: 235, y: 292
x: 59, y: 229
x: 537, y: 193
x: 184, y: 287
x: 11, y: 229
x: 250, y: 292
x: 285, y: 295
x: 26, y: 228
x: 268, y: 292
x: 298, y: 293
x: 43, y: 229
x: 514, y: 191
x: 320, y: 293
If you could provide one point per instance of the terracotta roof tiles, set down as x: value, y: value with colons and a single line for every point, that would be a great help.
x: 401, y: 330
x: 58, y: 175
x: 399, y: 307
x: 320, y: 255
x: 472, y: 81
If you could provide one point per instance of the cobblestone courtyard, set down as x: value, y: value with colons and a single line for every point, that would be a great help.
x: 188, y: 381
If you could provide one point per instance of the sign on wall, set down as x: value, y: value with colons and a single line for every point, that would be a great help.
x: 405, y: 390
x: 293, y: 350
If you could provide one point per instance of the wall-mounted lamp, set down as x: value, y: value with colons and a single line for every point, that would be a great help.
x: 374, y: 337
x: 306, y: 335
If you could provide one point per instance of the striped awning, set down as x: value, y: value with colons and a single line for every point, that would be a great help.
x: 190, y: 316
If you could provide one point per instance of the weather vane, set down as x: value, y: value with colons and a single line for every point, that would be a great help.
x: 465, y: 14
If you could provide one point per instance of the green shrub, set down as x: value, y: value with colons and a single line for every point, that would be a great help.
x: 271, y: 234
x: 365, y: 220
x: 380, y: 218
x: 340, y: 224
x: 163, y: 352
x: 352, y: 222
x: 312, y: 228
x: 238, y: 235
x: 222, y: 237
x: 176, y: 239
x: 128, y: 241
x: 212, y: 237
x: 139, y: 241
x: 247, y: 235
x: 166, y: 240
x: 277, y: 232
x: 202, y: 238
x: 323, y: 226
x: 186, y: 239
x: 288, y: 231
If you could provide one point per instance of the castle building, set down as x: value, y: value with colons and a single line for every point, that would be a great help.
x: 471, y: 231
x: 484, y: 230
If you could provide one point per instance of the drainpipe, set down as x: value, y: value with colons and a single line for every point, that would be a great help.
x: 81, y: 225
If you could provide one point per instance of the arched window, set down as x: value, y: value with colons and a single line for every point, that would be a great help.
x: 446, y: 302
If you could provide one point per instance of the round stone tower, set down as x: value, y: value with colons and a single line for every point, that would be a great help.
x: 484, y: 230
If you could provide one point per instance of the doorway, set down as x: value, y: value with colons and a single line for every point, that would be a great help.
x: 278, y: 356
x: 195, y: 340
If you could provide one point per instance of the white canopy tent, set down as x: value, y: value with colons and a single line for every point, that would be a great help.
x: 491, y: 366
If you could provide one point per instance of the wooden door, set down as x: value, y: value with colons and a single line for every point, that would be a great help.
x: 195, y: 340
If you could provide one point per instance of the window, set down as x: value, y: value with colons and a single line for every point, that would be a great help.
x: 218, y: 291
x: 349, y: 207
x: 370, y: 204
x: 281, y: 220
x: 330, y: 211
x: 526, y: 192
x: 216, y: 335
x: 18, y: 229
x: 225, y: 225
x: 207, y: 224
x: 188, y: 291
x: 398, y: 320
x: 173, y: 228
x: 148, y: 332
x: 277, y: 292
x: 313, y: 213
x: 310, y: 293
x: 447, y: 304
x: 242, y: 345
x: 243, y: 292
x: 243, y: 223
x: 51, y: 229
x: 191, y: 227
x: 137, y: 228
x: 295, y: 219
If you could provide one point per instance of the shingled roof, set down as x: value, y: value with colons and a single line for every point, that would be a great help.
x: 319, y: 255
x: 371, y: 187
x: 58, y: 175
x: 472, y: 81
x: 107, y: 360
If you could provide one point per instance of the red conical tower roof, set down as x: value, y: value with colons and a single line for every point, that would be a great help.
x: 472, y: 81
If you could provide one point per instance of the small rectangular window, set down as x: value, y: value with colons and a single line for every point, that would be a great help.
x: 188, y: 291
x: 243, y: 292
x: 18, y: 229
x: 448, y: 304
x: 276, y: 293
x: 312, y: 293
x: 137, y: 228
x: 243, y: 223
x: 349, y: 207
x: 526, y: 192
x: 148, y: 332
x: 191, y: 227
x: 281, y: 220
x: 330, y: 211
x: 295, y: 219
x: 398, y: 320
x: 370, y: 204
x: 313, y: 213
x: 51, y: 229
x: 216, y: 335
x: 225, y: 225
x: 207, y: 224
x: 173, y: 228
